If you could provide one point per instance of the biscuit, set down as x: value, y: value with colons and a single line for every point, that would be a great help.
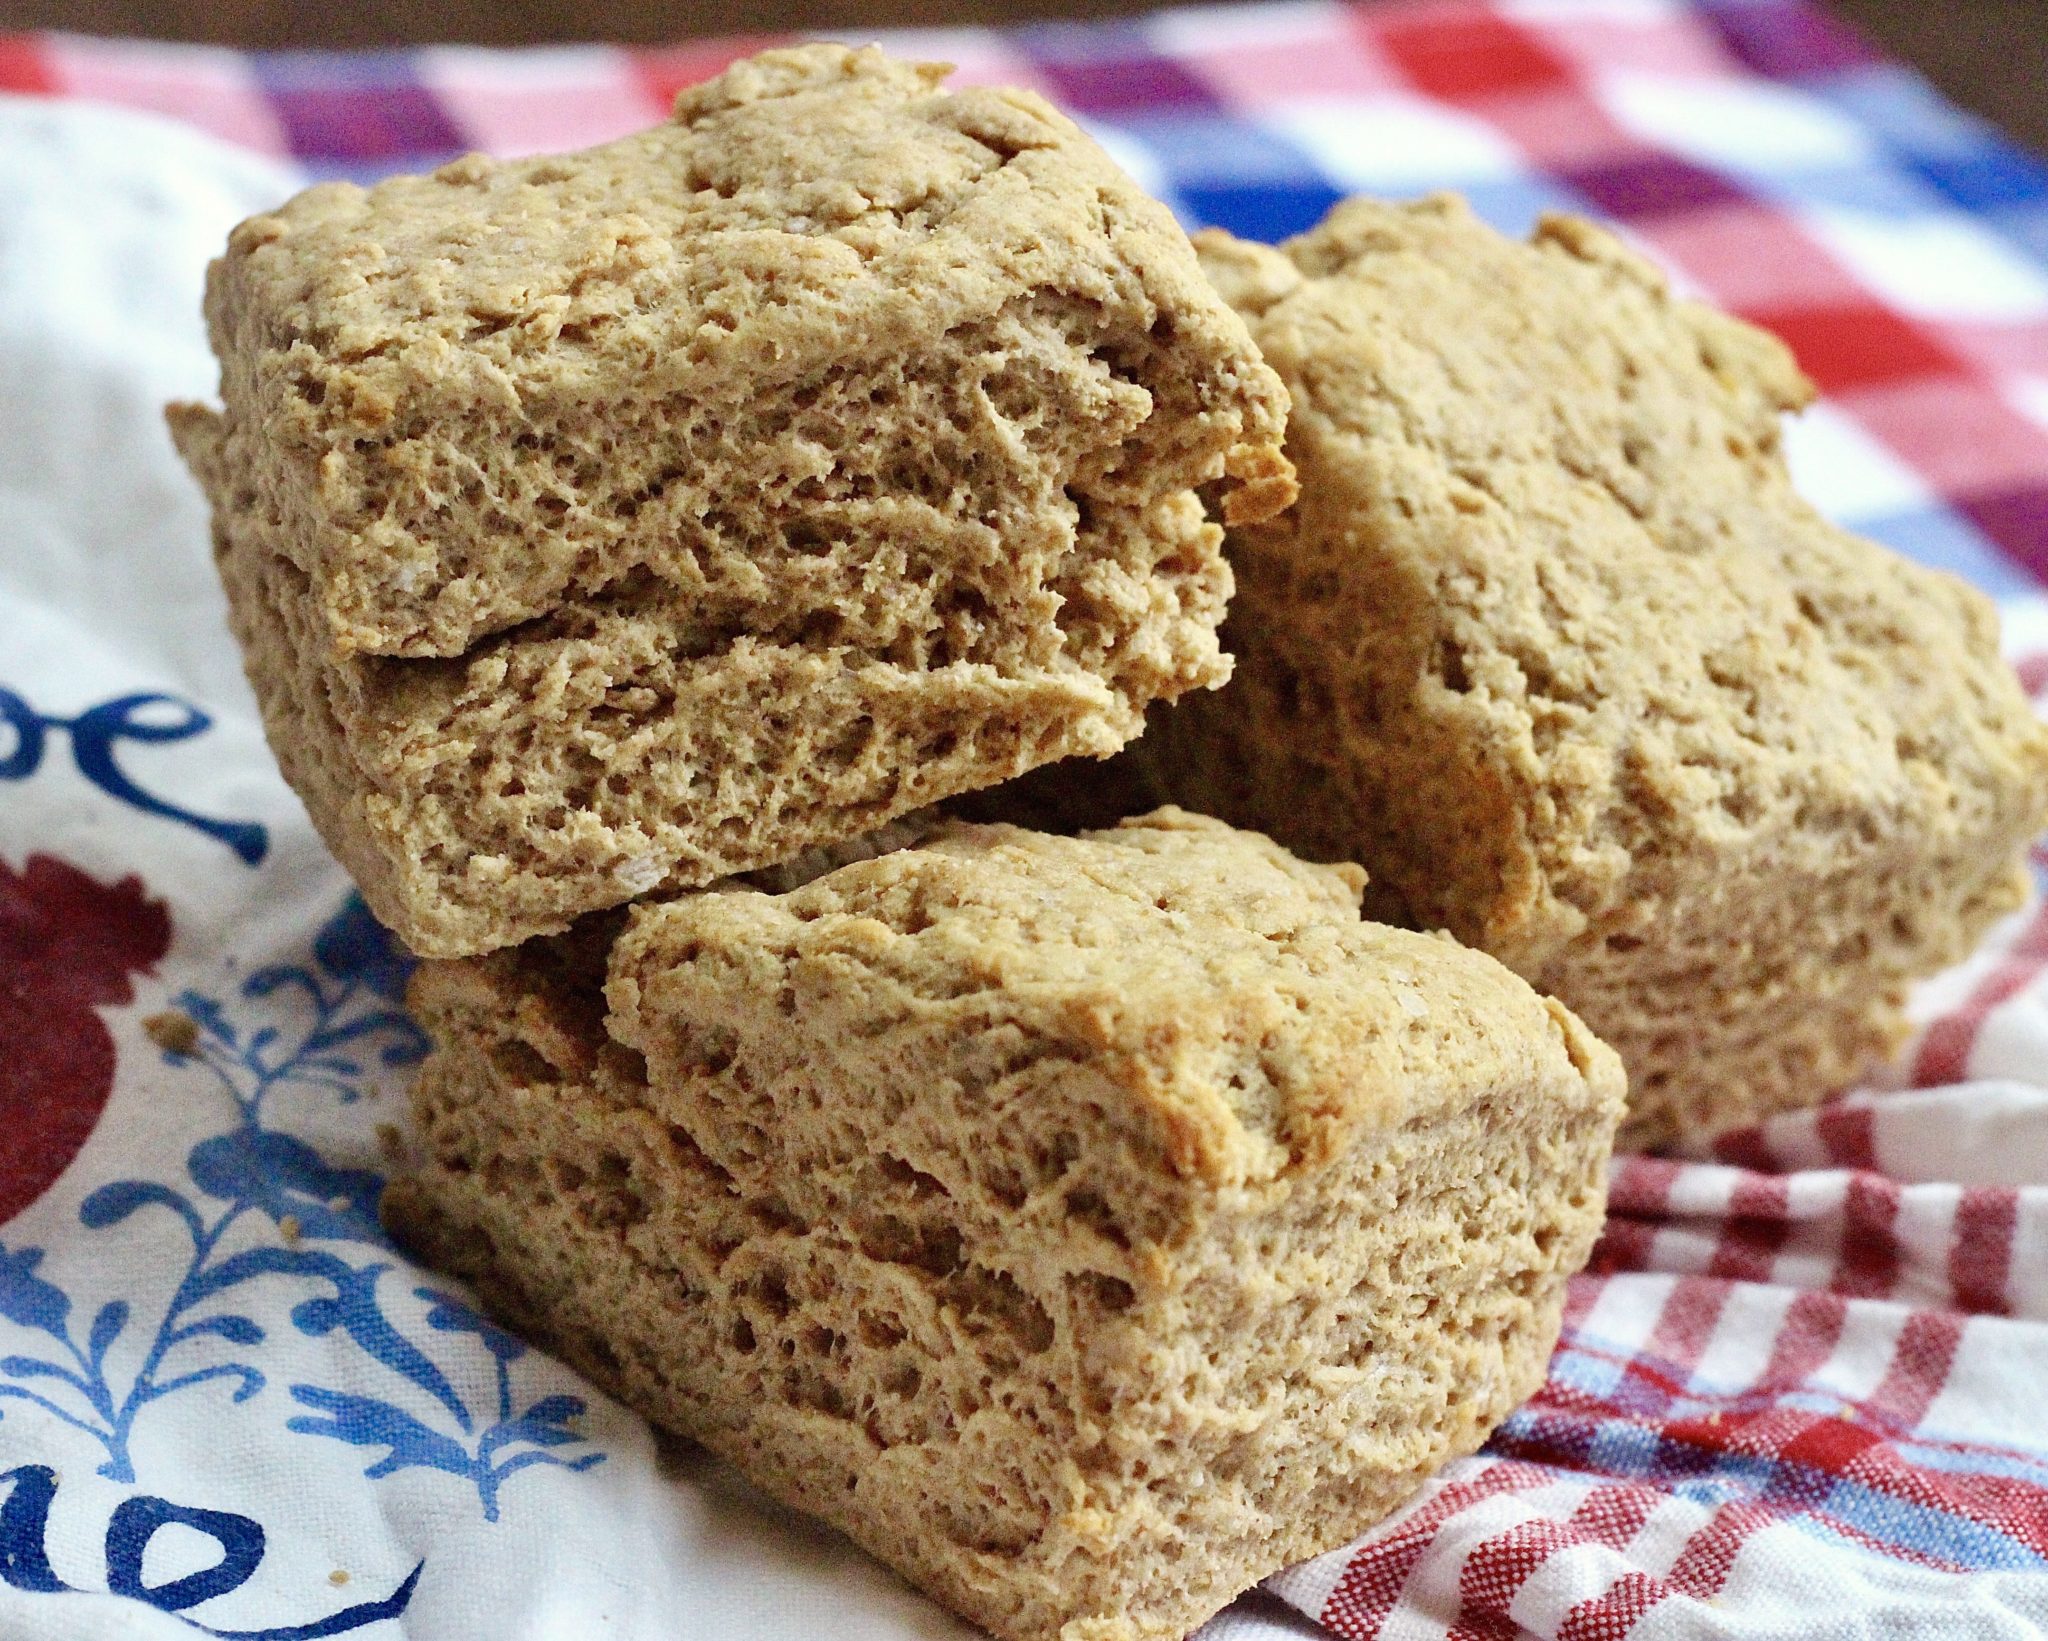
x: 662, y: 511
x: 1088, y: 1227
x: 1552, y: 646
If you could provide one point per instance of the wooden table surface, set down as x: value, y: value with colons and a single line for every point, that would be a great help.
x: 1989, y: 55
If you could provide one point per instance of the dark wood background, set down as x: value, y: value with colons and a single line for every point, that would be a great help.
x: 1989, y: 55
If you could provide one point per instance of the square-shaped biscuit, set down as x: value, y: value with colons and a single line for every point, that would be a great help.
x: 1553, y: 647
x: 660, y: 511
x: 1087, y: 1226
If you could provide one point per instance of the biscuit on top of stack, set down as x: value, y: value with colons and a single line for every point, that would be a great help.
x: 628, y: 519
x: 1088, y: 1225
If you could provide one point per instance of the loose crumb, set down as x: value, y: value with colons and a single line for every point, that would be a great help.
x: 174, y: 1031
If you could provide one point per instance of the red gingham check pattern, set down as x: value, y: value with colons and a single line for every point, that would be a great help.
x: 1803, y: 1388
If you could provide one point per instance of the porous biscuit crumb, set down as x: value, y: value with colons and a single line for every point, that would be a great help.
x: 635, y: 517
x: 1554, y: 648
x: 1088, y: 1227
x: 587, y: 760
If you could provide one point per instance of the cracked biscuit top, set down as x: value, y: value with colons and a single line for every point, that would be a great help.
x: 826, y: 303
x: 1229, y: 992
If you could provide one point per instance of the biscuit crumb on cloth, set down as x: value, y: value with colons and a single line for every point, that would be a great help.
x: 634, y: 517
x: 1087, y: 1226
x: 174, y: 1031
x: 1552, y: 646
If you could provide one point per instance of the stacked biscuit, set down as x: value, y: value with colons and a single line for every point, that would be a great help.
x: 1565, y: 661
x: 1087, y: 1224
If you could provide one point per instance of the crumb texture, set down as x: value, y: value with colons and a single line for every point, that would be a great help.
x: 1087, y: 1226
x: 641, y: 516
x: 1552, y: 646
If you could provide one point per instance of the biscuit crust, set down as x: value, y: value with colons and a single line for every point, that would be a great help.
x: 827, y: 302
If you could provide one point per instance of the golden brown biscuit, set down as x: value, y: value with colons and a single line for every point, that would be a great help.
x: 1088, y: 1227
x: 1552, y: 646
x: 664, y: 510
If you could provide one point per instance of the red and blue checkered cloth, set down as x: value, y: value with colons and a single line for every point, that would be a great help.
x: 1803, y: 1389
x: 1759, y: 149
